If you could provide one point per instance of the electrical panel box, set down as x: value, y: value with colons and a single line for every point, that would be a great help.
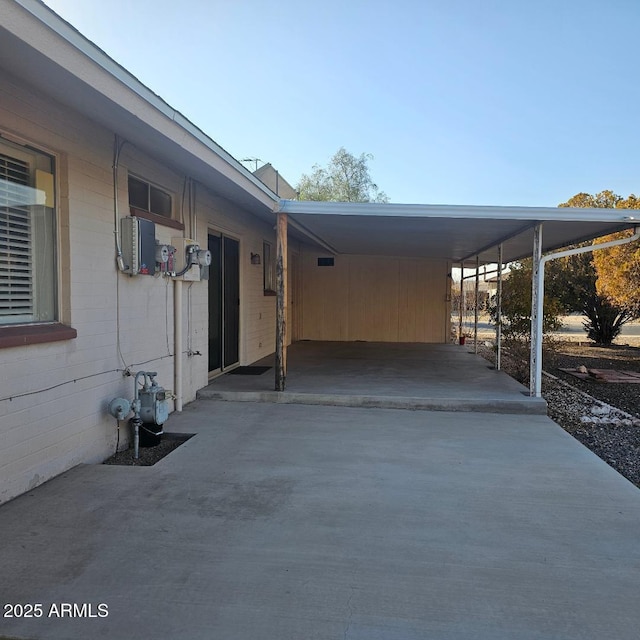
x: 138, y: 243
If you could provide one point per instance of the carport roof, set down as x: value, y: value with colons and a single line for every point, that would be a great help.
x: 454, y: 232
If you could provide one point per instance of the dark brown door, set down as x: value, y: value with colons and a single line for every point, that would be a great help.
x: 224, y: 302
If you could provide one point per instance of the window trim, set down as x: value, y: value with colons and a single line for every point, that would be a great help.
x: 157, y: 218
x: 17, y: 335
x: 28, y: 332
x: 150, y: 184
x: 23, y: 335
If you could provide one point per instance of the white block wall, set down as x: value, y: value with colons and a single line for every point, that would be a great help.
x: 54, y: 396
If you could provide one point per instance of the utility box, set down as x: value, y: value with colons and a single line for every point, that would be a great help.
x: 192, y: 274
x: 154, y: 405
x: 138, y: 243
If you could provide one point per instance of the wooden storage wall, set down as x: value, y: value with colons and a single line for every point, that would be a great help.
x: 325, y: 297
x: 374, y: 298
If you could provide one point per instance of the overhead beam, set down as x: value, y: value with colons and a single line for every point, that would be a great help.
x: 312, y: 236
x: 499, y: 241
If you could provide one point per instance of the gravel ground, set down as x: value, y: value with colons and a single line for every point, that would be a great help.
x: 604, y: 417
x: 147, y: 456
x: 572, y: 355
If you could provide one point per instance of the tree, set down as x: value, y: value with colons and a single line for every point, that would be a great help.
x: 345, y: 179
x: 516, y: 305
x: 608, y: 280
x: 604, y: 200
x: 618, y: 268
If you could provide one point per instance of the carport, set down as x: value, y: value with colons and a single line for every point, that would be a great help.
x: 465, y: 236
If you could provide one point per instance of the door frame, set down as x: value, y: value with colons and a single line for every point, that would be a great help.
x: 222, y: 234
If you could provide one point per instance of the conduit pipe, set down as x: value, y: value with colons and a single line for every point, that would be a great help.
x: 537, y: 300
x: 177, y: 342
x: 117, y: 147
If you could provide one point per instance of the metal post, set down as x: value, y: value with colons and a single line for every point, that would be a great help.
x: 537, y: 315
x: 499, y: 312
x: 476, y: 305
x: 461, y: 301
x: 537, y: 296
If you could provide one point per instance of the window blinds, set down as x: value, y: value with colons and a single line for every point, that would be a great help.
x: 16, y: 243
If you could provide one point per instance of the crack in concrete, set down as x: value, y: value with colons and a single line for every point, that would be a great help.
x: 346, y: 629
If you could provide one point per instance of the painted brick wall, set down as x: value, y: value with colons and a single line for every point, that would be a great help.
x: 54, y: 396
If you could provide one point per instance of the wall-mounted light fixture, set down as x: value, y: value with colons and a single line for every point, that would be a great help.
x: 255, y: 258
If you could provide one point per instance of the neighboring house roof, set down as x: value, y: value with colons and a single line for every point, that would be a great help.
x: 271, y: 178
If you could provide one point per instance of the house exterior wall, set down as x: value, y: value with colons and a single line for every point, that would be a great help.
x: 375, y: 298
x: 54, y: 398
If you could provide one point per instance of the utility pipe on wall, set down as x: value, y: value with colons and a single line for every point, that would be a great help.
x: 117, y: 148
x: 537, y: 300
x: 177, y: 342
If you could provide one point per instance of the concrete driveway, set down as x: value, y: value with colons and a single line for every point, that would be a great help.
x: 290, y: 522
x: 436, y: 377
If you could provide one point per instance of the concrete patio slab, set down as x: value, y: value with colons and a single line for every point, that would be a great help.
x: 283, y: 522
x: 430, y: 377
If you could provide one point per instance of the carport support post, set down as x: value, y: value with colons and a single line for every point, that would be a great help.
x: 281, y: 301
x: 499, y: 312
x: 537, y: 315
x: 477, y: 304
x: 537, y: 301
x: 461, y: 301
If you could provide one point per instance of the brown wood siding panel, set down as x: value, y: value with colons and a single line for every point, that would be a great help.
x: 373, y: 299
x: 422, y: 301
x: 324, y: 299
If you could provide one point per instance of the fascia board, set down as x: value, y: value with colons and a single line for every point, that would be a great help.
x: 472, y: 212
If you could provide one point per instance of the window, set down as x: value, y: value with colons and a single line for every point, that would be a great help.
x: 147, y: 197
x: 268, y: 268
x: 28, y: 281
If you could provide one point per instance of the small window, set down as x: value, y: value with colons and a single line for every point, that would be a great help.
x: 147, y: 197
x: 268, y: 268
x: 325, y: 262
x: 28, y: 260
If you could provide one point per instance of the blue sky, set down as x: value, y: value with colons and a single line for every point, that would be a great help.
x: 503, y: 102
